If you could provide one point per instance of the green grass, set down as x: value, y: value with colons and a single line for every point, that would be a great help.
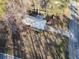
x: 2, y: 6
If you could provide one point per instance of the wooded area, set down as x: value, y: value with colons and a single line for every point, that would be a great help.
x: 20, y: 40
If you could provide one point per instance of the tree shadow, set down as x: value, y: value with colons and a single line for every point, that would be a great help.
x: 42, y: 45
x: 18, y: 45
x: 45, y: 46
x: 3, y: 39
